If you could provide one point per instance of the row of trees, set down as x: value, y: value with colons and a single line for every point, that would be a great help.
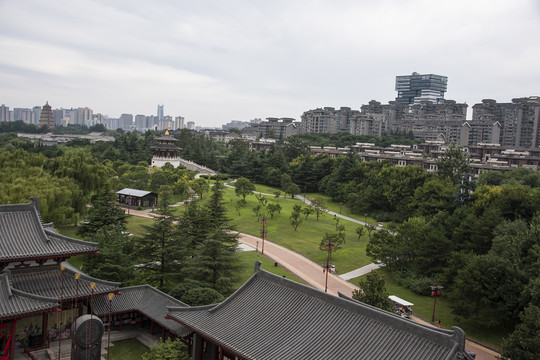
x: 192, y: 256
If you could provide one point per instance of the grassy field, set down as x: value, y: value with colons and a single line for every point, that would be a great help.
x: 129, y: 349
x: 306, y: 242
x: 308, y: 235
x: 247, y: 262
x: 423, y: 308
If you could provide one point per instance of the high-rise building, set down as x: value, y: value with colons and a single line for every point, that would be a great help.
x: 81, y: 116
x: 126, y: 121
x: 46, y: 118
x: 191, y: 125
x: 160, y: 111
x: 140, y: 122
x: 26, y: 115
x: 519, y: 120
x: 37, y: 114
x: 180, y: 122
x: 4, y: 113
x: 415, y: 88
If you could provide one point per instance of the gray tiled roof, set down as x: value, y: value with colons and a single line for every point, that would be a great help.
x: 134, y: 192
x: 167, y: 138
x: 148, y: 301
x: 46, y: 281
x: 15, y: 303
x: 271, y: 317
x: 24, y: 236
x: 165, y: 147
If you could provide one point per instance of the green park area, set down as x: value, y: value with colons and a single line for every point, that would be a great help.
x: 305, y: 240
x: 476, y: 236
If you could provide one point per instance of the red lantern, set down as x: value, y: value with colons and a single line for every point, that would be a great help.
x: 439, y: 293
x: 323, y: 270
x: 433, y: 293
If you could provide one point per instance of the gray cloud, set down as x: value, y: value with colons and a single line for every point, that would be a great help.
x: 214, y: 61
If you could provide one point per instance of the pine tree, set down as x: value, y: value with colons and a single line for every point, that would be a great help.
x: 159, y: 250
x: 214, y: 259
x: 104, y: 215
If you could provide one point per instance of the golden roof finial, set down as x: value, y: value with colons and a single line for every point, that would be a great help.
x: 166, y: 131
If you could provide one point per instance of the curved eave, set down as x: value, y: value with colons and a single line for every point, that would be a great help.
x: 62, y: 257
x: 20, y: 316
x: 208, y: 337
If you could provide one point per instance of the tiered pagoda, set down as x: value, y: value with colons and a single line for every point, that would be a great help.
x: 165, y: 151
x: 46, y: 118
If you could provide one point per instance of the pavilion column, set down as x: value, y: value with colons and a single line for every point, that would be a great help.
x: 11, y: 350
x: 44, y: 325
x: 162, y: 335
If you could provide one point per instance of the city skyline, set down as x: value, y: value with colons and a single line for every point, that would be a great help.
x: 212, y: 63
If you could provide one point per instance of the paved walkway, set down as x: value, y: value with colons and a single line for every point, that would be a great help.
x: 313, y: 274
x: 301, y: 266
x: 361, y: 271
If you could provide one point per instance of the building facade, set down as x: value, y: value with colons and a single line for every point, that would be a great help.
x: 415, y: 88
x: 46, y: 118
x: 165, y: 151
x: 519, y: 120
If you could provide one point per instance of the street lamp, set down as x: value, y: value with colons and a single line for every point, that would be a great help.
x: 263, y: 232
x: 329, y: 246
x: 435, y: 293
x: 340, y: 204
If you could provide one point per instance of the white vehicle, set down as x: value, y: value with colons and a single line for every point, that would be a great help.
x: 401, y: 307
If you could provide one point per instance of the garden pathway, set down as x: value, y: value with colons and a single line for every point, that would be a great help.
x: 313, y: 274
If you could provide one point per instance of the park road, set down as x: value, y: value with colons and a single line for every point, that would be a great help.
x: 313, y: 274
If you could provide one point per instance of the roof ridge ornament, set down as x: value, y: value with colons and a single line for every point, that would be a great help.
x: 257, y: 266
x: 166, y: 131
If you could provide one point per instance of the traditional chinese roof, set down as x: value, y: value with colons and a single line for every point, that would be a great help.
x: 15, y: 303
x: 23, y: 236
x: 167, y: 137
x: 134, y: 192
x: 271, y: 317
x: 148, y: 301
x: 47, y: 281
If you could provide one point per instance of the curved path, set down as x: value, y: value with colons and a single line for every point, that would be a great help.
x: 301, y: 266
x: 313, y: 274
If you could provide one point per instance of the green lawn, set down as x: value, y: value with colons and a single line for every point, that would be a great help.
x: 423, y: 308
x: 129, y: 349
x: 306, y: 242
x: 308, y: 235
x: 247, y: 263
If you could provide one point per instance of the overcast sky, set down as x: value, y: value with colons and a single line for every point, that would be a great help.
x: 217, y: 61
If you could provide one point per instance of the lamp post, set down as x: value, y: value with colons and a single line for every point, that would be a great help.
x: 110, y: 296
x: 92, y: 287
x: 329, y: 246
x: 263, y: 232
x: 62, y: 269
x: 435, y: 293
x: 340, y: 204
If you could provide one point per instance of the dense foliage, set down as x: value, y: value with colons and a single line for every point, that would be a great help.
x: 480, y: 239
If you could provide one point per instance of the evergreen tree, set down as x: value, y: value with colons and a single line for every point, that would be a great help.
x: 524, y: 342
x: 105, y: 214
x: 373, y: 292
x: 114, y: 261
x: 213, y: 259
x: 158, y: 250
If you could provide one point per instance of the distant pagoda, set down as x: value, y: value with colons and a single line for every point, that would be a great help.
x: 165, y: 151
x: 46, y: 118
